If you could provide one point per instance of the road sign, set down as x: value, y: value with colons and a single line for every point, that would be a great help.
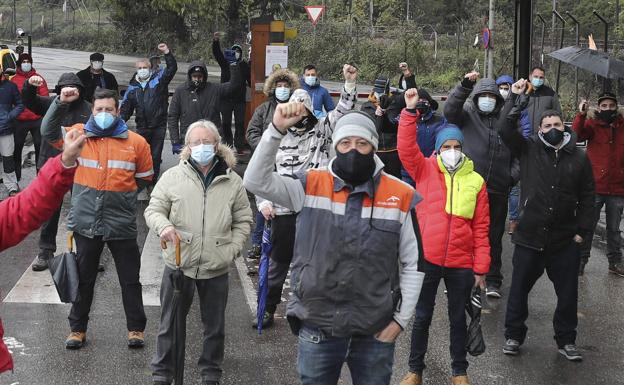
x: 314, y: 12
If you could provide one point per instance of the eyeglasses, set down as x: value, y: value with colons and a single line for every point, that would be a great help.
x: 198, y: 142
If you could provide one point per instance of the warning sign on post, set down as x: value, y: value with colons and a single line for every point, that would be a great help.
x: 276, y: 58
x: 314, y: 12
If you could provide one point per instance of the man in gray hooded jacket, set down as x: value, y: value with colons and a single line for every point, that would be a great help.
x: 477, y: 116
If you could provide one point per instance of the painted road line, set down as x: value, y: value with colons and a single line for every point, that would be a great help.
x: 248, y: 286
x: 152, y: 267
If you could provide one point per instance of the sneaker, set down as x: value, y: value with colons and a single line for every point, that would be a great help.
x: 101, y: 267
x: 75, y: 340
x: 267, y: 321
x: 570, y: 352
x: 41, y: 263
x: 255, y: 252
x: 136, y: 339
x: 460, y: 380
x: 411, y: 379
x: 617, y: 268
x: 13, y: 193
x: 511, y: 347
x: 492, y: 292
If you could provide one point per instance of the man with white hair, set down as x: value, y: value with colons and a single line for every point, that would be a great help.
x: 356, y: 226
x: 307, y: 144
x: 201, y: 202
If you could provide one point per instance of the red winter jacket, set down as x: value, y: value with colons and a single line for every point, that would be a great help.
x: 19, y: 79
x: 454, y: 217
x: 605, y: 149
x: 25, y: 212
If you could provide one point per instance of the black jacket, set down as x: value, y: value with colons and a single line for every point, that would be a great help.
x: 151, y: 102
x: 90, y: 82
x: 387, y: 124
x: 190, y: 104
x: 557, y: 195
x: 260, y: 120
x: 78, y: 111
x: 239, y: 95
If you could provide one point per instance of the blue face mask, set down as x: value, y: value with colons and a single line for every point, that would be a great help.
x: 310, y: 80
x: 203, y: 154
x: 537, y: 83
x: 282, y: 93
x: 104, y: 119
x: 143, y: 73
x: 486, y: 104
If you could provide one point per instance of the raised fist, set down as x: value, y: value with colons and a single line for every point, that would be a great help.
x: 519, y: 87
x: 472, y: 76
x: 162, y: 47
x: 411, y: 98
x: 36, y: 81
x: 72, y: 147
x: 69, y: 94
x: 287, y: 114
x: 349, y: 72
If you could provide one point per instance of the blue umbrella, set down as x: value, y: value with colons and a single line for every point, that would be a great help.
x: 263, y: 274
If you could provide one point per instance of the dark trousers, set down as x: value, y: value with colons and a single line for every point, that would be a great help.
x: 392, y: 163
x: 47, y: 237
x: 562, y: 269
x: 283, y: 240
x: 459, y: 283
x: 127, y: 262
x: 213, y: 294
x: 256, y: 234
x: 498, y: 216
x: 22, y: 128
x: 156, y: 139
x: 227, y: 107
x: 613, y: 210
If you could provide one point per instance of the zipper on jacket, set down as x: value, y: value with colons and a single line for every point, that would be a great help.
x: 450, y: 219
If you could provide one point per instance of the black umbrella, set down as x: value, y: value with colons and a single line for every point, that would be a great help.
x: 597, y: 62
x: 475, y: 344
x: 64, y: 270
x: 178, y: 320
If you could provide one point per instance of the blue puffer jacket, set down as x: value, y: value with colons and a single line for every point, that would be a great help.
x: 10, y: 106
x: 320, y: 98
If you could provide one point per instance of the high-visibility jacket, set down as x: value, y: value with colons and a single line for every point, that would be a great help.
x: 104, y: 195
x: 454, y: 217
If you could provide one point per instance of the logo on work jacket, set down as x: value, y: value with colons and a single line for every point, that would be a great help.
x: 392, y: 201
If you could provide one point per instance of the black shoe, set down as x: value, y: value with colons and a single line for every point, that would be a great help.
x: 511, y: 347
x: 101, y: 267
x: 493, y: 292
x: 617, y: 268
x: 41, y: 263
x: 255, y: 252
x: 267, y: 321
x: 581, y: 271
x: 570, y: 352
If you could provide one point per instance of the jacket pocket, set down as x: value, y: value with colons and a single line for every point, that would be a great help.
x: 222, y: 254
x: 188, y: 257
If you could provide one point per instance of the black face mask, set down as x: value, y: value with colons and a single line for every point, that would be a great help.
x: 423, y: 108
x: 308, y: 122
x: 553, y: 136
x: 607, y: 115
x: 353, y: 167
x: 197, y: 84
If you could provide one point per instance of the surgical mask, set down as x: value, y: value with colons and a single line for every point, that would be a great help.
x: 203, y: 154
x: 554, y: 136
x: 26, y: 67
x: 486, y: 104
x: 353, y: 167
x: 451, y: 158
x: 607, y: 115
x: 143, y: 73
x: 97, y: 65
x: 537, y: 83
x: 310, y: 80
x: 282, y: 93
x: 104, y: 119
x: 504, y: 93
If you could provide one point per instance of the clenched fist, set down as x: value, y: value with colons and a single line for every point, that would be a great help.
x: 69, y: 94
x: 72, y: 147
x: 519, y: 87
x: 350, y: 73
x: 162, y: 47
x: 411, y: 98
x: 36, y: 81
x: 472, y: 76
x: 287, y: 114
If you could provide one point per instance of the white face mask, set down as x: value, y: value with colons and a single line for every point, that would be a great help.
x: 504, y: 93
x: 143, y: 73
x: 97, y: 65
x: 451, y: 158
x: 486, y: 104
x: 310, y: 80
x: 26, y: 67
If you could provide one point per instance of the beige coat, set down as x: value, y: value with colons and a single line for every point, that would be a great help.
x: 213, y: 224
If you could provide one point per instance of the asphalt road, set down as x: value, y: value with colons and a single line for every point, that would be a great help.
x: 35, y: 331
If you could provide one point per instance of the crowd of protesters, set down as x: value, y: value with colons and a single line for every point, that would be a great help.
x: 370, y: 205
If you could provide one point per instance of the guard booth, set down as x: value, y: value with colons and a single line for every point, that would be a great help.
x: 264, y: 31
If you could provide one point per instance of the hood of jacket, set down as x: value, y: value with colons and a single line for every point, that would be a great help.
x: 280, y: 75
x: 224, y: 152
x: 487, y: 86
x: 69, y: 79
x: 202, y: 67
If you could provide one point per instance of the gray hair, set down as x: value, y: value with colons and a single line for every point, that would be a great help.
x: 203, y: 123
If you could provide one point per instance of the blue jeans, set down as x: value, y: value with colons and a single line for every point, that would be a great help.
x: 256, y: 234
x: 614, y: 204
x: 459, y: 283
x: 514, y: 202
x: 321, y: 357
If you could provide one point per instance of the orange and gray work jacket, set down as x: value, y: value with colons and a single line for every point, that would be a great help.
x: 104, y: 195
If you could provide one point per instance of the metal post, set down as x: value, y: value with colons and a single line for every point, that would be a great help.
x: 563, y: 22
x: 31, y: 15
x: 407, y: 11
x: 490, y: 72
x: 523, y: 42
x: 73, y: 22
x: 606, y: 84
x: 576, y: 72
x: 371, y: 18
x: 52, y: 17
x: 458, y: 20
x: 14, y: 18
x: 543, y: 36
x: 98, y: 22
